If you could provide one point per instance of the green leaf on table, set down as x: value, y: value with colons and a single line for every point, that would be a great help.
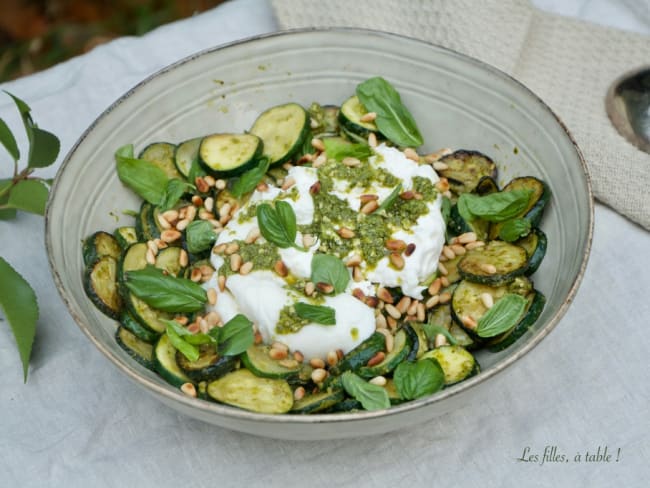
x: 44, y: 148
x: 173, y: 193
x: 339, y: 149
x: 331, y: 270
x: 6, y: 213
x: 372, y: 397
x: 29, y: 196
x: 19, y: 305
x: 8, y: 140
x: 200, y: 236
x: 514, y: 229
x: 418, y: 379
x: 190, y: 351
x: 318, y: 314
x: 431, y: 330
x: 495, y: 207
x: 235, y: 336
x: 502, y: 316
x: 146, y: 179
x: 278, y: 225
x: 390, y: 199
x: 393, y: 119
x: 250, y: 179
x: 164, y: 292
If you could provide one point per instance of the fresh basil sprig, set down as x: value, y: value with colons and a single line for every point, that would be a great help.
x: 514, y: 229
x: 502, y: 316
x: 200, y: 236
x: 176, y: 336
x: 431, y: 330
x: 495, y: 207
x: 390, y: 199
x: 147, y: 180
x: 338, y: 149
x: 278, y: 225
x: 418, y: 379
x: 174, y: 190
x: 372, y: 397
x: 316, y: 313
x: 164, y: 292
x: 393, y: 118
x: 250, y: 179
x: 331, y: 270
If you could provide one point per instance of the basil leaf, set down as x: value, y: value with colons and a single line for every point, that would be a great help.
x: 372, y: 397
x: 250, y: 179
x: 393, y: 118
x: 18, y: 302
x: 164, y: 292
x: 503, y: 315
x: 147, y: 180
x: 331, y: 270
x: 190, y: 351
x: 445, y: 209
x: 8, y: 140
x: 173, y: 193
x: 432, y: 330
x: 271, y: 226
x: 287, y: 218
x: 200, y: 236
x: 495, y: 207
x: 187, y: 336
x: 196, y: 171
x: 514, y: 229
x: 235, y: 336
x: 316, y: 313
x: 28, y: 196
x: 339, y: 149
x: 390, y: 199
x: 418, y: 379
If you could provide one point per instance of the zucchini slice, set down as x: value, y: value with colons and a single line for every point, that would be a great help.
x: 161, y: 154
x: 98, y: 245
x: 136, y: 328
x: 257, y: 360
x: 146, y: 227
x: 283, y: 129
x: 508, y: 261
x: 126, y: 236
x: 540, y: 196
x: 166, y: 365
x: 453, y: 275
x: 360, y: 355
x: 169, y: 259
x: 350, y: 118
x: 486, y: 186
x: 536, y: 302
x: 423, y: 342
x: 147, y: 316
x: 138, y: 349
x: 441, y: 315
x: 456, y: 362
x: 466, y: 168
x: 458, y: 225
x: 185, y: 156
x: 401, y: 349
x: 100, y: 284
x: 318, y: 402
x: 243, y: 389
x: 226, y: 155
x: 346, y: 405
x: 209, y: 366
x: 133, y: 258
x: 393, y: 396
x: 535, y: 245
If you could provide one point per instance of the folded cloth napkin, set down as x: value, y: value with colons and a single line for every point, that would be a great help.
x: 568, y: 63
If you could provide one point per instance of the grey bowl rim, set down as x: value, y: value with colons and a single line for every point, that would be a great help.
x: 225, y: 411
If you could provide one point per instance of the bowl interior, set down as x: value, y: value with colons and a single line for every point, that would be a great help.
x: 457, y: 102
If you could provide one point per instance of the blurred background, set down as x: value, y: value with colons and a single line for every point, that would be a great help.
x: 36, y: 34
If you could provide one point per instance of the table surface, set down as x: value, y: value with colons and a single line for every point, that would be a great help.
x: 78, y: 422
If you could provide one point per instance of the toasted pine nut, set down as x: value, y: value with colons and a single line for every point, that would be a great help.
x: 317, y: 144
x: 232, y: 248
x: 189, y: 389
x: 170, y: 215
x: 488, y: 268
x: 376, y: 359
x: 443, y: 184
x: 315, y: 188
x: 288, y: 363
x: 438, y: 166
x: 220, y: 184
x: 357, y: 275
x: 288, y: 183
x: 444, y: 281
x: 190, y: 213
x: 153, y: 247
x: 258, y: 337
x: 396, y: 260
x: 225, y: 209
x: 368, y: 197
x: 182, y: 224
x: 208, y: 204
x: 317, y: 363
x: 370, y: 207
x: 389, y: 340
x: 210, y: 181
x: 413, y: 308
x: 201, y: 184
x: 287, y: 166
x: 378, y: 380
x: 372, y: 140
x: 163, y: 222
x: 411, y: 154
x: 235, y: 262
x: 434, y: 287
x: 262, y: 187
x: 351, y: 162
x: 392, y: 311
x: 421, y: 313
x: 205, y: 215
x: 474, y: 245
x: 320, y: 160
x: 280, y: 268
x: 467, y: 237
x: 324, y: 287
x: 183, y: 258
x: 193, y: 328
x: 468, y: 322
x: 221, y: 282
x: 150, y: 257
x: 308, y: 240
x: 252, y: 235
x: 195, y: 275
x: 458, y: 249
x: 433, y: 301
x: 310, y: 288
x: 246, y: 268
x: 332, y: 358
x: 298, y: 356
x: 384, y: 295
x: 395, y: 244
x: 359, y: 294
x: 442, y: 269
x: 368, y: 117
x: 448, y: 252
x: 354, y: 260
x: 407, y: 195
x: 212, y: 296
x: 380, y: 322
x: 299, y: 393
x: 445, y: 297
x: 181, y: 319
x: 277, y: 354
x: 410, y: 249
x: 345, y: 233
x: 487, y: 300
x: 170, y: 235
x: 213, y: 318
x: 403, y: 304
x: 440, y: 340
x: 197, y: 201
x: 392, y: 323
x: 318, y: 375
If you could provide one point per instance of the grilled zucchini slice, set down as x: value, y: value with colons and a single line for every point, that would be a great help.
x: 98, y: 245
x: 486, y: 186
x: 258, y: 361
x: 535, y: 245
x: 165, y: 363
x: 506, y: 260
x: 243, y: 389
x: 135, y: 347
x: 146, y: 227
x: 209, y: 366
x: 226, y: 155
x: 536, y: 302
x: 125, y: 236
x: 284, y: 130
x: 402, y: 347
x: 100, y: 284
x: 318, y: 402
x: 186, y: 155
x: 350, y: 118
x: 458, y: 225
x: 360, y: 355
x: 161, y: 154
x: 136, y: 328
x: 456, y: 362
x: 466, y: 168
x: 169, y: 259
x: 540, y: 195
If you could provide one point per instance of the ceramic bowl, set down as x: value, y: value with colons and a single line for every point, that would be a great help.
x: 457, y: 101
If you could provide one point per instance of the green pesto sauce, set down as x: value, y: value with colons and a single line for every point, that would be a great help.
x: 362, y: 176
x: 263, y: 255
x: 289, y: 322
x: 292, y: 194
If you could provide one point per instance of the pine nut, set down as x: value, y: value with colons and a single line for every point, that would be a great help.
x: 320, y: 160
x: 182, y: 224
x: 438, y: 166
x: 488, y: 268
x: 440, y: 340
x: 389, y: 340
x: 232, y: 248
x: 170, y: 235
x: 467, y: 237
x: 434, y: 287
x: 421, y: 313
x: 378, y: 380
x: 197, y: 201
x: 212, y: 296
x: 444, y: 281
x: 345, y: 233
x: 288, y: 183
x: 221, y: 281
x: 315, y: 188
x: 189, y: 389
x: 235, y: 262
x: 190, y: 213
x: 201, y: 184
x: 298, y: 356
x: 370, y: 207
x: 413, y: 308
x: 196, y: 275
x: 324, y: 287
x: 205, y: 215
x: 474, y: 245
x: 392, y: 311
x: 445, y: 297
x: 442, y: 269
x: 317, y: 144
x: 220, y: 184
x: 277, y: 354
x: 372, y: 301
x: 208, y: 204
x: 181, y: 319
x: 458, y: 249
x: 411, y: 154
x: 209, y: 180
x: 193, y: 328
x: 407, y: 195
x: 262, y: 187
x: 354, y: 260
x: 299, y: 393
x: 368, y: 117
x: 396, y: 260
x: 410, y: 249
x: 395, y: 245
x: 392, y: 323
x: 442, y: 258
x: 376, y: 359
x: 468, y: 322
x: 448, y: 252
x: 213, y: 318
x: 384, y: 295
x: 288, y: 363
x: 252, y: 235
x: 372, y: 140
x: 317, y: 363
x: 150, y: 257
x: 332, y: 358
x: 433, y: 301
x: 403, y: 304
x: 287, y: 166
x: 357, y: 275
x: 308, y: 240
x: 206, y: 270
x: 380, y: 322
x: 170, y: 215
x: 153, y: 247
x: 163, y: 222
x: 487, y: 300
x: 258, y: 337
x: 310, y: 288
x: 183, y: 258
x: 368, y: 198
x: 225, y: 209
x: 351, y: 162
x: 318, y: 375
x: 246, y: 268
x: 359, y: 294
x: 435, y: 156
x: 443, y: 184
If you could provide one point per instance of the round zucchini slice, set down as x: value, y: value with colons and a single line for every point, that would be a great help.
x: 284, y: 130
x: 125, y: 236
x: 318, y: 402
x: 136, y: 328
x: 100, y: 244
x: 350, y: 118
x: 403, y: 345
x: 535, y: 245
x: 166, y: 365
x: 135, y: 347
x: 161, y: 154
x: 536, y: 302
x: 100, y: 284
x: 456, y: 362
x: 226, y: 155
x: 257, y: 360
x: 186, y: 154
x: 465, y: 169
x: 243, y: 389
x: 209, y: 366
x: 496, y: 263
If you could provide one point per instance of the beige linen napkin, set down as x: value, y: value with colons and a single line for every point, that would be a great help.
x: 568, y: 63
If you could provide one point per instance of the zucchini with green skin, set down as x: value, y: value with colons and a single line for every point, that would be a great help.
x: 125, y: 236
x: 441, y: 315
x: 540, y: 195
x: 161, y: 155
x: 465, y: 169
x: 536, y: 302
x: 135, y: 347
x: 136, y: 328
x: 257, y: 360
x: 458, y: 225
x: 243, y: 389
x: 209, y: 366
x: 360, y: 355
x: 350, y: 116
x: 283, y: 129
x: 494, y: 264
x: 98, y: 245
x: 226, y: 155
x: 133, y: 258
x: 486, y: 186
x: 535, y: 246
x: 423, y: 343
x: 403, y: 344
x: 146, y: 227
x: 100, y: 284
x: 166, y: 364
x: 169, y: 259
x: 187, y: 153
x: 456, y: 362
x: 317, y: 402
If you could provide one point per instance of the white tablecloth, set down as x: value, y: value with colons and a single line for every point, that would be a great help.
x: 78, y: 422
